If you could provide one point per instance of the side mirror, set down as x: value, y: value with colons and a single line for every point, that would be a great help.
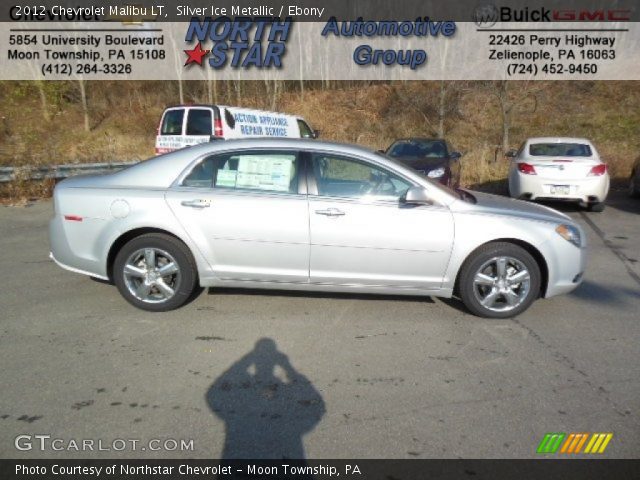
x: 511, y: 154
x: 382, y: 151
x: 455, y: 155
x: 315, y: 134
x: 416, y: 196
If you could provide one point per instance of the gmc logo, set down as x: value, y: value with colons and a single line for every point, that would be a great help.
x: 592, y: 15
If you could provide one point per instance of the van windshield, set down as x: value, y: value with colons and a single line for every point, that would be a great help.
x: 172, y: 122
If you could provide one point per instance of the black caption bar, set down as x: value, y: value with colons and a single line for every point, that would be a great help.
x: 548, y: 469
x: 321, y: 10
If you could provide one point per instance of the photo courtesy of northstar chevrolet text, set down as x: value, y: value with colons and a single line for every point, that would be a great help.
x: 319, y: 238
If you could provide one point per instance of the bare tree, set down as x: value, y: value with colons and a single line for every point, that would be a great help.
x: 177, y: 64
x: 44, y: 103
x: 85, y: 104
x: 513, y: 97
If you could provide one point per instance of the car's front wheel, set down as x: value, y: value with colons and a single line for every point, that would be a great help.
x: 499, y: 280
x: 155, y: 272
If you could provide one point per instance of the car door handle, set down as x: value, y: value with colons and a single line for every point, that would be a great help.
x: 199, y: 203
x: 330, y: 212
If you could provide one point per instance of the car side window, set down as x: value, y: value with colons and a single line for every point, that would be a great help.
x: 305, y: 130
x: 344, y: 177
x: 172, y: 122
x: 266, y: 171
x: 199, y: 122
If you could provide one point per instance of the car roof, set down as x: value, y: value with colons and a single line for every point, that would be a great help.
x: 279, y: 142
x: 558, y: 140
x: 419, y: 139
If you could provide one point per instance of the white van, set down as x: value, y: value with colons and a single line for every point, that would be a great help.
x: 185, y: 125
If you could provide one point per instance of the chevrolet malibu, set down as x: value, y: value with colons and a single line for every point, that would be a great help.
x: 308, y: 215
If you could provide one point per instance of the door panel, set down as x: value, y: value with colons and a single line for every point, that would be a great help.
x: 371, y: 238
x: 247, y: 233
x: 377, y: 244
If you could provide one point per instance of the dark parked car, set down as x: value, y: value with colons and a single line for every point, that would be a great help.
x: 634, y: 179
x: 430, y: 157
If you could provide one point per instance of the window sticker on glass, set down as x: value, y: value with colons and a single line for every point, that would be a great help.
x: 265, y: 173
x: 226, y: 178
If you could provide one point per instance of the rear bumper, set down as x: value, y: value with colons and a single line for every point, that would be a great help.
x: 71, y: 247
x: 75, y: 270
x: 533, y: 187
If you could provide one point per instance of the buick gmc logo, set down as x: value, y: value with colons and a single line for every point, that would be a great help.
x: 486, y: 16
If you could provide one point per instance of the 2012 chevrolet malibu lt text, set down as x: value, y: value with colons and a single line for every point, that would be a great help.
x: 308, y: 215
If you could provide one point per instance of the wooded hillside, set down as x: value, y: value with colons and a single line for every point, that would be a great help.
x: 66, y: 122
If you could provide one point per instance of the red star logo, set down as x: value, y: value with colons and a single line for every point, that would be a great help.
x: 195, y: 55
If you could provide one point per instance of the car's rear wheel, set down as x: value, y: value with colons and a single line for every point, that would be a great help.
x: 155, y: 272
x: 499, y: 280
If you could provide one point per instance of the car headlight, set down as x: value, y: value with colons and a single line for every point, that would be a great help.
x: 436, y: 173
x: 570, y: 234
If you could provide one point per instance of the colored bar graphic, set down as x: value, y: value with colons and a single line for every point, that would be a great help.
x: 573, y: 443
x: 550, y: 443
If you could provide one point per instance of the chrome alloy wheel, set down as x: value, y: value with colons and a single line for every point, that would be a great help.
x: 501, y: 284
x: 151, y: 275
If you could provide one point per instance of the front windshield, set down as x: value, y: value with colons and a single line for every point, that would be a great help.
x: 419, y: 149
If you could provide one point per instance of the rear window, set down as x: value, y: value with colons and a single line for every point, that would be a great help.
x: 559, y: 150
x: 199, y: 122
x: 172, y: 122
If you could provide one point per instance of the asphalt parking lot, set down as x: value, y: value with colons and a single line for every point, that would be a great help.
x: 245, y: 374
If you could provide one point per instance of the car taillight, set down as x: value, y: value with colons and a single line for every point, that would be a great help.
x: 526, y: 168
x: 598, y: 170
x: 217, y: 127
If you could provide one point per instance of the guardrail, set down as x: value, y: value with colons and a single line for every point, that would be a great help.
x: 10, y: 174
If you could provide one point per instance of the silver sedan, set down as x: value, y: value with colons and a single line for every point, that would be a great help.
x: 308, y: 215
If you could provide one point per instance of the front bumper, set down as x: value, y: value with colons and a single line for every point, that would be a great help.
x: 566, y: 265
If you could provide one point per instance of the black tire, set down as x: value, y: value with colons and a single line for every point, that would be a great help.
x: 185, y: 281
x: 634, y: 190
x: 596, y: 207
x: 484, y: 254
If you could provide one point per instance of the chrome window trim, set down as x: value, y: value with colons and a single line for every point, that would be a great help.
x: 302, y: 186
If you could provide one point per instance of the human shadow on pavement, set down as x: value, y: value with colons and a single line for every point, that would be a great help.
x: 267, y: 406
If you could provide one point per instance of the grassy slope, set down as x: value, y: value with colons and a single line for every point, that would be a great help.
x: 124, y: 117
